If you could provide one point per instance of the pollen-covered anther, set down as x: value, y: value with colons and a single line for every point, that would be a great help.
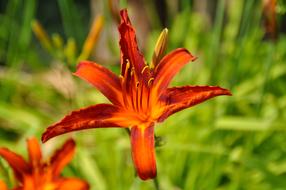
x: 127, y: 66
x: 150, y: 81
x: 144, y: 69
x: 132, y: 71
x: 127, y: 62
x: 137, y: 84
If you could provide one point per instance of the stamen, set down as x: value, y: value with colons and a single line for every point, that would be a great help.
x: 135, y: 76
x: 150, y: 81
x: 127, y: 63
x: 124, y: 84
x: 132, y: 71
x: 132, y: 89
x: 144, y: 69
x: 137, y: 97
x: 127, y: 66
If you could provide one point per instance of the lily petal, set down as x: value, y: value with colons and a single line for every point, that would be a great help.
x: 129, y: 48
x: 143, y: 151
x: 72, y: 184
x: 97, y: 116
x: 179, y: 98
x: 3, y: 186
x: 35, y: 154
x: 103, y: 79
x: 28, y: 183
x: 168, y: 67
x: 62, y: 157
x: 16, y: 162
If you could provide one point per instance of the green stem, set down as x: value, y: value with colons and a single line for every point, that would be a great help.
x: 156, y: 183
x: 267, y: 68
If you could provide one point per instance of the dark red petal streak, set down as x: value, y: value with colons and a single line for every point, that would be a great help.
x: 168, y: 67
x: 179, y: 98
x: 143, y: 151
x: 103, y: 79
x: 16, y: 162
x: 98, y: 116
x: 129, y: 47
x: 35, y: 153
x: 62, y: 157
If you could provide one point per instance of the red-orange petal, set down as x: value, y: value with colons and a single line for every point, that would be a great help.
x: 179, y: 98
x: 16, y: 162
x: 28, y: 183
x: 102, y: 78
x: 97, y: 116
x: 168, y: 67
x: 129, y: 47
x: 62, y: 157
x: 143, y: 151
x: 72, y: 184
x: 34, y: 150
x: 3, y: 186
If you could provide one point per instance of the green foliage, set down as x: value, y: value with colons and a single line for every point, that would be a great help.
x: 228, y: 143
x: 15, y: 31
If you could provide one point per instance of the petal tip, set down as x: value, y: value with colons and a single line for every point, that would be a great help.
x: 150, y: 175
x: 32, y: 140
x: 78, y: 67
x: 226, y: 92
x: 50, y: 132
x: 82, y: 64
x: 191, y: 56
x: 46, y: 135
x: 70, y: 142
x: 44, y: 138
x: 123, y: 11
x: 194, y: 58
x: 223, y: 91
x: 124, y: 16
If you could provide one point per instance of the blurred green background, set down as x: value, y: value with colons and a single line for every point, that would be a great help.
x: 231, y: 143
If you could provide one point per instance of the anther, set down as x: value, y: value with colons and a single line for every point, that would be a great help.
x: 126, y: 67
x: 127, y: 64
x: 132, y: 71
x: 150, y: 81
x: 144, y: 69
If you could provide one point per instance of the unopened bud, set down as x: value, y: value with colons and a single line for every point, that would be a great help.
x: 41, y: 34
x: 160, y: 48
x: 91, y: 38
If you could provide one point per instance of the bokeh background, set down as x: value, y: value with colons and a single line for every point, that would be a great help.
x: 227, y: 143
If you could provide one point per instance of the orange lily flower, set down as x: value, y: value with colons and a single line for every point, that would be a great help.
x: 140, y: 97
x: 38, y: 175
